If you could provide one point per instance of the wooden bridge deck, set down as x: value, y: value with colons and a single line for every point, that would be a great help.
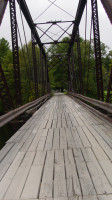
x: 63, y: 152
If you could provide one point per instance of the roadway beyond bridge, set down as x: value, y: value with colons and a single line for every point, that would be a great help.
x: 63, y: 152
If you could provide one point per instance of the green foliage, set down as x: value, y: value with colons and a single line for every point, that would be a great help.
x: 59, y: 75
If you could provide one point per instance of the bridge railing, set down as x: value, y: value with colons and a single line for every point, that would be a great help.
x: 8, y: 117
x: 99, y: 104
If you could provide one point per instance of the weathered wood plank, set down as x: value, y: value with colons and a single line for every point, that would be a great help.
x: 100, y: 181
x: 84, y: 176
x: 56, y: 139
x: 32, y: 186
x: 49, y: 140
x: 10, y: 174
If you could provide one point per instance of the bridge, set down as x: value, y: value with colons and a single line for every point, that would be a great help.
x: 64, y: 150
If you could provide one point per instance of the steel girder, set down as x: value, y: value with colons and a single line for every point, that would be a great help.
x: 3, y: 4
x: 99, y: 77
x: 80, y: 10
x: 27, y: 15
x: 35, y: 74
x: 107, y: 4
x: 109, y: 92
x: 18, y: 95
x: 81, y: 89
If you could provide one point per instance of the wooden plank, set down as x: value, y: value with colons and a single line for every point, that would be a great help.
x: 39, y: 158
x: 90, y: 137
x: 64, y: 124
x: 103, y: 135
x: 28, y: 142
x: 5, y: 150
x: 28, y: 159
x: 60, y: 189
x: 42, y: 140
x: 56, y: 139
x: 77, y: 140
x: 101, y: 141
x: 70, y: 139
x: 49, y: 141
x: 4, y: 184
x: 46, y: 190
x: 89, y: 198
x: 54, y: 124
x: 35, y: 141
x: 59, y: 157
x: 107, y: 167
x: 49, y: 123
x: 105, y: 197
x: 15, y: 189
x: 99, y: 153
x: 32, y: 186
x: 84, y: 176
x: 100, y: 181
x: 63, y: 140
x: 49, y: 158
x: 83, y: 137
x: 59, y: 123
x: 6, y: 162
x: 73, y: 184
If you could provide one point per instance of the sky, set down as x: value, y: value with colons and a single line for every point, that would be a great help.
x: 37, y: 7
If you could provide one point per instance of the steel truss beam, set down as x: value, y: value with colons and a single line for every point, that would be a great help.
x: 35, y: 74
x: 3, y: 4
x: 80, y: 10
x: 108, y: 8
x: 17, y: 82
x: 97, y: 47
x: 81, y: 89
x: 30, y: 22
x: 54, y: 22
x: 4, y: 92
x: 109, y: 92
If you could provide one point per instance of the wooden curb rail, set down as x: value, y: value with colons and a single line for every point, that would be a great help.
x: 102, y: 105
x: 4, y: 119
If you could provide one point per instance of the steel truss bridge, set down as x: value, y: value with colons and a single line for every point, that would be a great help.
x: 64, y: 150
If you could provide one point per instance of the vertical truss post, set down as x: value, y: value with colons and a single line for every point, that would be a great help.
x: 73, y: 70
x: 35, y: 74
x: 69, y: 77
x: 81, y: 89
x: 46, y: 76
x: 4, y: 92
x: 18, y: 94
x: 48, y: 83
x: 99, y: 77
x: 42, y: 72
x: 109, y: 92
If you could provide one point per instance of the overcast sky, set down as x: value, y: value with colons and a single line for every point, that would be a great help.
x: 36, y: 7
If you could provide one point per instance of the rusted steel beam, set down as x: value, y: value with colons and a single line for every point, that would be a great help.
x: 80, y: 10
x: 102, y: 105
x: 4, y: 119
x: 107, y: 4
x: 97, y: 47
x: 109, y: 92
x: 81, y: 89
x: 28, y: 17
x: 17, y: 82
x: 35, y: 71
x: 3, y: 5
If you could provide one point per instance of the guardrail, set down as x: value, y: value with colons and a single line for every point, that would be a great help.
x: 99, y: 104
x: 4, y: 119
